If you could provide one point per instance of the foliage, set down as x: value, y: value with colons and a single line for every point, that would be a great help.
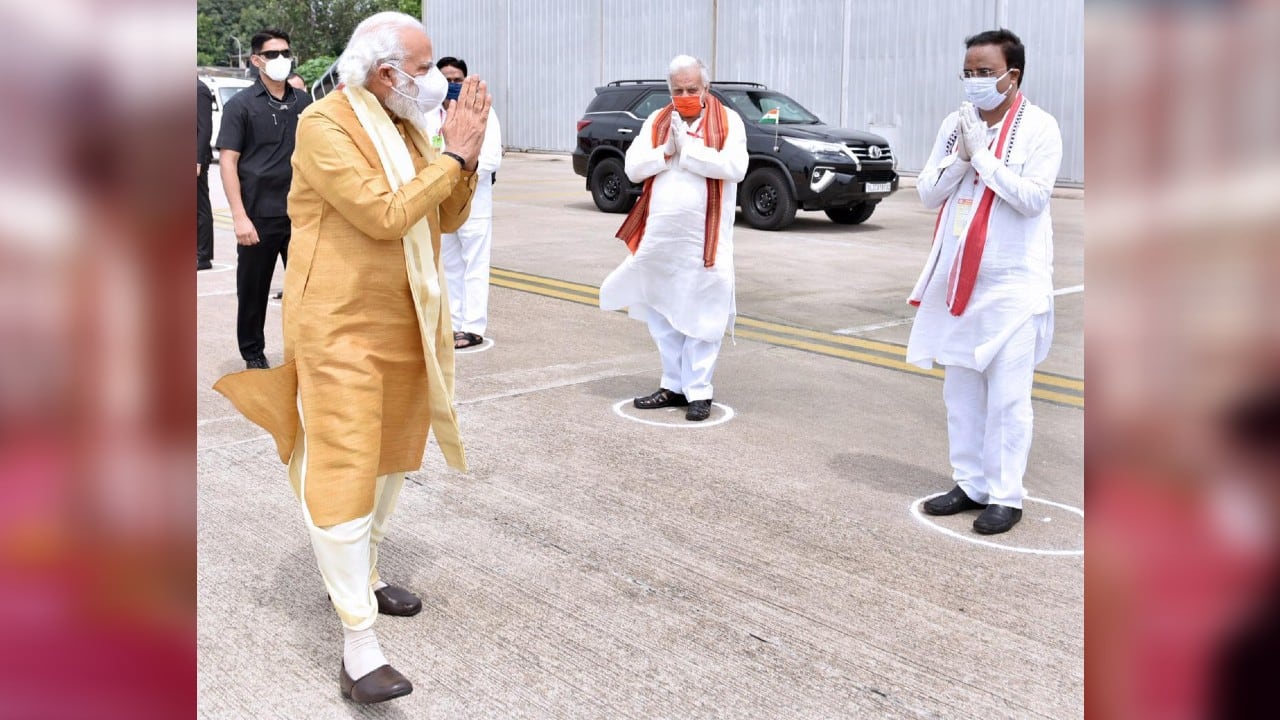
x: 312, y: 69
x: 317, y: 28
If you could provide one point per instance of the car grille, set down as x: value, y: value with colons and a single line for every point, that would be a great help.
x: 877, y: 170
x: 864, y: 154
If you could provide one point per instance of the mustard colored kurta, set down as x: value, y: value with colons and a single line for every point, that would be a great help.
x: 354, y: 352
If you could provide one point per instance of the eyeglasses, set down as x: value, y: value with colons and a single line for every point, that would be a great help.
x: 273, y: 54
x: 981, y: 73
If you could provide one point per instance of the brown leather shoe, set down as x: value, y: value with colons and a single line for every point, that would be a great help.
x: 384, y: 683
x: 393, y: 600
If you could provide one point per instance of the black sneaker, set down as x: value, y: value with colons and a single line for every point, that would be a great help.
x: 698, y: 411
x: 258, y: 363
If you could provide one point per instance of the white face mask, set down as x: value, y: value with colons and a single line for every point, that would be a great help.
x: 431, y: 89
x: 982, y: 92
x: 279, y: 68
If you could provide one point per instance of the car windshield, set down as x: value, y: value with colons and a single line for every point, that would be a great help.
x: 226, y: 92
x: 753, y: 104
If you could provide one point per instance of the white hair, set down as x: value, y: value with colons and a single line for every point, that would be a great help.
x: 377, y: 39
x: 684, y: 62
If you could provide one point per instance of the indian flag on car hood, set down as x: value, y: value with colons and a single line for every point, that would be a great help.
x: 770, y: 117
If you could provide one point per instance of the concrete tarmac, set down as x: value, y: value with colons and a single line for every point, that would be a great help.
x: 770, y: 565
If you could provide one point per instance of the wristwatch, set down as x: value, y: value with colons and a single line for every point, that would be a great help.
x: 461, y: 163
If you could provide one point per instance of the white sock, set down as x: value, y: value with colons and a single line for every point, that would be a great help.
x: 379, y: 585
x: 361, y: 653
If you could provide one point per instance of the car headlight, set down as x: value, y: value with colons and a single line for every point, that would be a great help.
x: 818, y: 147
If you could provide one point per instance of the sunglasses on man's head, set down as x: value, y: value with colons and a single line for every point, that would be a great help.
x: 273, y: 54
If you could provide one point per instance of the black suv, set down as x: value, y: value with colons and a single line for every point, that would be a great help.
x: 797, y: 162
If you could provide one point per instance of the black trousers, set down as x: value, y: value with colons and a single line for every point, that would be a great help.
x: 204, y: 218
x: 255, y: 265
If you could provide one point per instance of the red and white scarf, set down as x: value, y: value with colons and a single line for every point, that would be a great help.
x: 964, y: 268
x: 715, y: 128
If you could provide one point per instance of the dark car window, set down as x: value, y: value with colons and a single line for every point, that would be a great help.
x: 753, y: 104
x: 652, y: 101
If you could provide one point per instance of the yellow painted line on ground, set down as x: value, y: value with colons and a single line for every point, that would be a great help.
x: 591, y: 290
x: 538, y: 290
x: 836, y: 352
x: 788, y: 336
x: 897, y: 351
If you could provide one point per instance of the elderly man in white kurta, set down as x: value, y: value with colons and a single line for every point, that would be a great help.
x: 985, y: 297
x: 690, y: 155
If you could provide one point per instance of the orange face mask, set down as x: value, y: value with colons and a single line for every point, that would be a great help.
x: 688, y: 105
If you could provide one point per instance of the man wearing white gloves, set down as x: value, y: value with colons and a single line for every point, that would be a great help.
x: 985, y: 297
x: 691, y: 155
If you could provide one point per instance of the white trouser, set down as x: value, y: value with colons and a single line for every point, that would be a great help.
x: 465, y: 255
x: 347, y: 553
x: 687, y: 363
x: 989, y: 421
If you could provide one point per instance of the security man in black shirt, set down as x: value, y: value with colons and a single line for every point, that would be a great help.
x: 204, y: 155
x: 256, y: 146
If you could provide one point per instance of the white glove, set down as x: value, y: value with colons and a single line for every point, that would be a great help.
x: 974, y: 131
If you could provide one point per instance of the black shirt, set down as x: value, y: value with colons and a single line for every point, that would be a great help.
x: 262, y: 130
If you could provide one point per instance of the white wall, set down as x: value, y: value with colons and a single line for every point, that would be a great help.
x: 885, y: 65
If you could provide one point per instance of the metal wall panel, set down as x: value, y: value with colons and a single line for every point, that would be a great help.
x: 881, y: 65
x: 1054, y: 35
x: 476, y: 32
x: 902, y: 65
x: 794, y: 47
x: 640, y: 38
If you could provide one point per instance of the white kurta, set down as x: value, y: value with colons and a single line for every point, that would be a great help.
x: 666, y: 275
x: 1015, y: 278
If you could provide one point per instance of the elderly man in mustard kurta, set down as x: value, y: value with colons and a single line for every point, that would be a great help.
x: 367, y: 336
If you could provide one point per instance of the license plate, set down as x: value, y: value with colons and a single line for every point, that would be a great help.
x: 879, y: 187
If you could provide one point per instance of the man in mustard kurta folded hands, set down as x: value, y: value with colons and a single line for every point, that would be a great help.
x: 368, y: 341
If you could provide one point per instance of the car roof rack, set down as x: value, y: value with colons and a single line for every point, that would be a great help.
x: 619, y: 83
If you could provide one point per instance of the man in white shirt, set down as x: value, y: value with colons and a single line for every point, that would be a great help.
x: 465, y: 253
x: 985, y: 296
x: 691, y: 155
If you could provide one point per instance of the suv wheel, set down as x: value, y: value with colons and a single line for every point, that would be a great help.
x: 853, y: 214
x: 610, y: 186
x: 766, y: 199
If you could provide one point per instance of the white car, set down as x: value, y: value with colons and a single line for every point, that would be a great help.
x: 224, y: 88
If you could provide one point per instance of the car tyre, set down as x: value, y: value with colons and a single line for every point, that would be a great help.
x: 766, y: 199
x: 852, y: 215
x: 610, y: 188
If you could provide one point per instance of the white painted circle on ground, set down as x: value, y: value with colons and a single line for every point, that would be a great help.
x: 919, y: 515
x: 484, y: 345
x: 678, y: 412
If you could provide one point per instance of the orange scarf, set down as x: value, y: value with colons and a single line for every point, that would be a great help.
x: 715, y: 126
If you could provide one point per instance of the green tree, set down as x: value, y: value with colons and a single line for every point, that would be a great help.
x: 317, y: 28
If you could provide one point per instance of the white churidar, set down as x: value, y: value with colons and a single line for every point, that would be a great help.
x: 465, y: 254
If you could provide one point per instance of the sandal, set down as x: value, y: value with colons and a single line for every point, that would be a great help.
x: 468, y: 340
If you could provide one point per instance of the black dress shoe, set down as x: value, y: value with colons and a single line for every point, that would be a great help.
x: 997, y: 519
x: 384, y: 683
x: 394, y: 600
x: 258, y: 363
x: 203, y: 265
x: 952, y: 503
x: 698, y: 411
x: 662, y: 398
